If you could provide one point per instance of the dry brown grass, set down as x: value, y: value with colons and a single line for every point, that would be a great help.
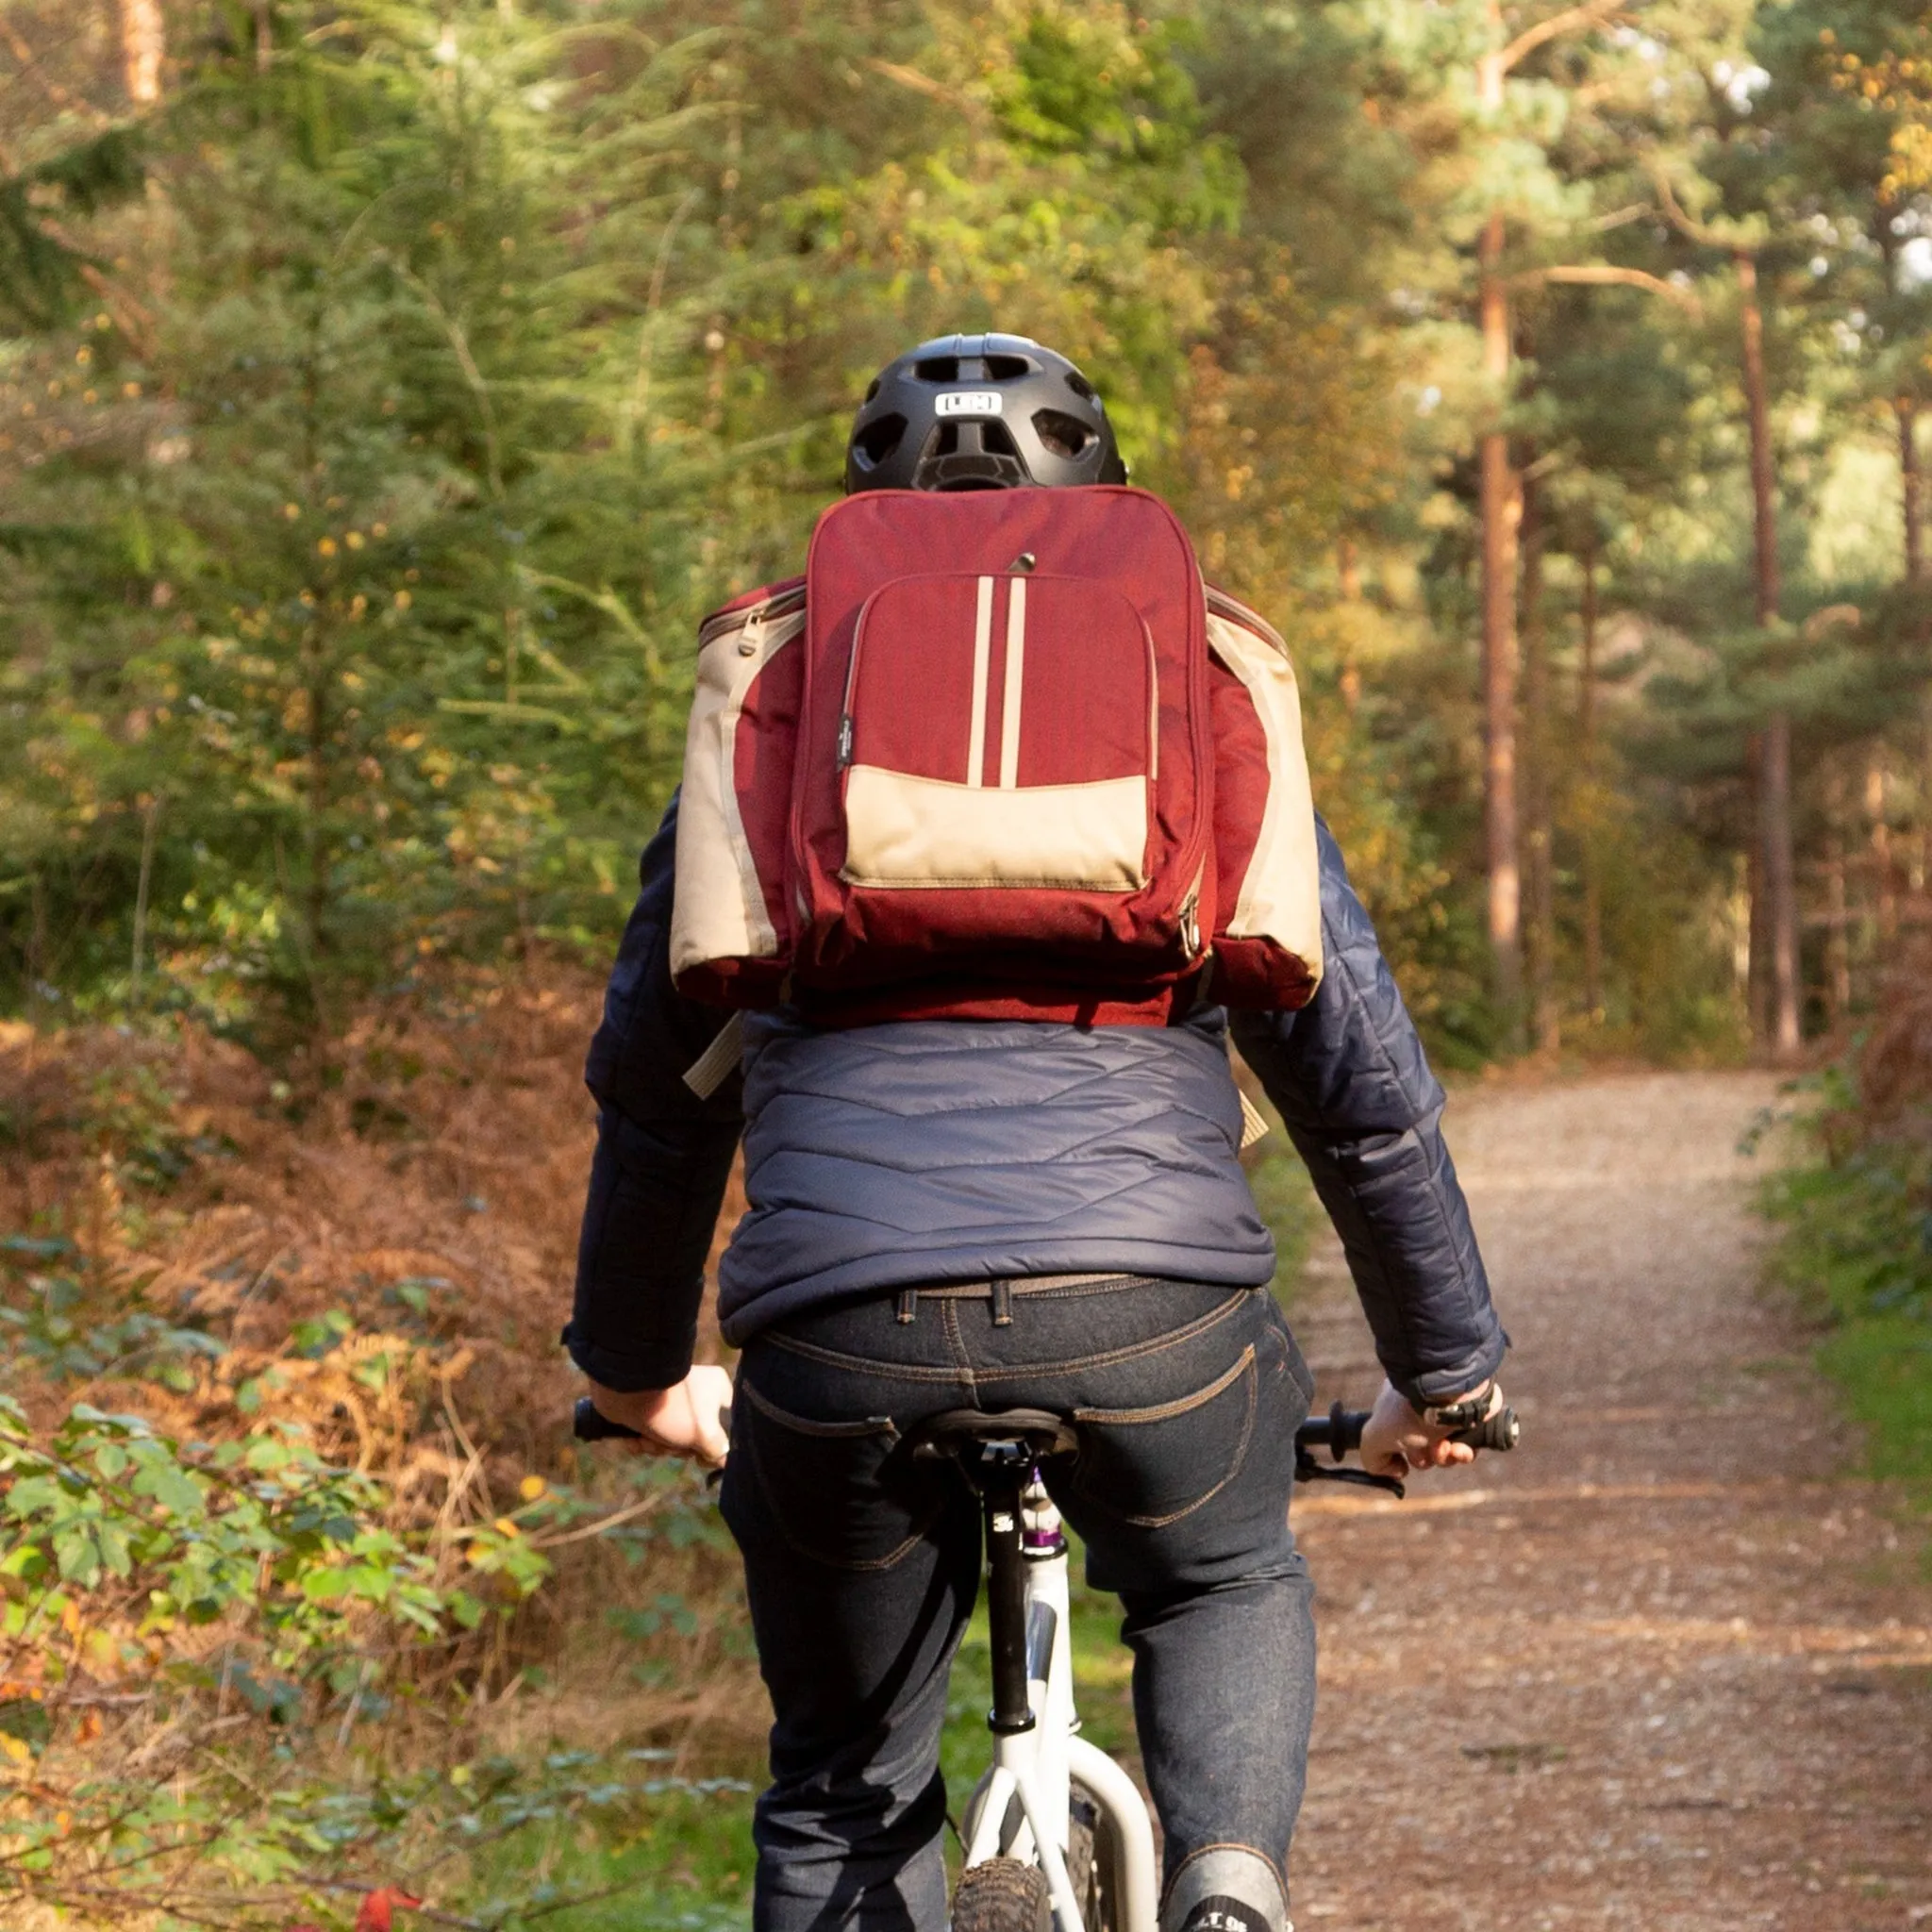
x: 1895, y: 1074
x: 443, y: 1146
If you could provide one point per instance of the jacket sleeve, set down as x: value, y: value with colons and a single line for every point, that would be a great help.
x: 1353, y: 1085
x: 663, y: 1156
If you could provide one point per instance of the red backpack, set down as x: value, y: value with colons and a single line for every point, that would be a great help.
x: 997, y: 755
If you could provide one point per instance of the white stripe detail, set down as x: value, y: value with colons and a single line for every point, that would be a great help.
x: 1016, y: 672
x: 982, y: 664
x: 721, y: 1060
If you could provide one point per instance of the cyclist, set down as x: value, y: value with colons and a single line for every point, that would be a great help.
x: 952, y: 1213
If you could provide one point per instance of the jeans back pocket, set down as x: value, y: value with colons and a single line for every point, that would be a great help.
x: 1151, y: 1466
x: 834, y: 1491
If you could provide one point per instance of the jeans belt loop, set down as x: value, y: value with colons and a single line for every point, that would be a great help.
x: 1001, y: 1304
x: 907, y: 1309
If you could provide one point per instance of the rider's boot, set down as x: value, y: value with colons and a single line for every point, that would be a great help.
x: 1225, y: 1888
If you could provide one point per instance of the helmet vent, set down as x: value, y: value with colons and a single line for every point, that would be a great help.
x: 1063, y: 433
x: 877, y: 440
x: 1007, y: 424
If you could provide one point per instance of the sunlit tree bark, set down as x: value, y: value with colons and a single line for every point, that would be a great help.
x: 1775, y: 757
x: 143, y: 42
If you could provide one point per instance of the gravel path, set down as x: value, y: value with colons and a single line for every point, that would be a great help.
x: 1667, y: 1669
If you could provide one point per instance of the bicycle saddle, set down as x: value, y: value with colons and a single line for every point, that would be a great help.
x: 1037, y: 1430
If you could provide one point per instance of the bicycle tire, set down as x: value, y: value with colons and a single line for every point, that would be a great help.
x: 1002, y: 1895
x: 1093, y: 1861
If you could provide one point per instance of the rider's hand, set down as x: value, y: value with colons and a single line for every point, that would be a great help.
x: 1396, y: 1441
x: 685, y: 1420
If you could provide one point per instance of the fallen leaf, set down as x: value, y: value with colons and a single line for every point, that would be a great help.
x: 374, y: 1914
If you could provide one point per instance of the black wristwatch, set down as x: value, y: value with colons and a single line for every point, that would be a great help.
x: 1464, y: 1414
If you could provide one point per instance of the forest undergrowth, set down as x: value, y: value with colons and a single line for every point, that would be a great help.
x: 1856, y: 1212
x: 307, y: 1589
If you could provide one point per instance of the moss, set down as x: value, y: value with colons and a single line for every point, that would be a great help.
x: 1856, y: 1252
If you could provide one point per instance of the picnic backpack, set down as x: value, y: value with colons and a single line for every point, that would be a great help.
x: 997, y: 754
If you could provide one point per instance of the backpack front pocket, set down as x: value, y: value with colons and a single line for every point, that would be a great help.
x: 998, y: 731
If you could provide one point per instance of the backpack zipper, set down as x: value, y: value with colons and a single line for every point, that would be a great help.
x: 846, y: 731
x: 1190, y: 920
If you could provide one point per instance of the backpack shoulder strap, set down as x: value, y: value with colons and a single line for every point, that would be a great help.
x: 1233, y: 611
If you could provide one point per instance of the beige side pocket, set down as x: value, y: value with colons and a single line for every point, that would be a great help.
x: 719, y: 908
x: 907, y: 831
x: 1281, y: 895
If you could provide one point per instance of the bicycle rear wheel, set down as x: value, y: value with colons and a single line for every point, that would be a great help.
x: 1002, y: 1895
x: 1093, y: 1862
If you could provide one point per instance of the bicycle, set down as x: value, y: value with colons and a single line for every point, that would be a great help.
x: 1056, y: 1836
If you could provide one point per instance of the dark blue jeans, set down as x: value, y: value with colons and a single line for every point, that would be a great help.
x: 862, y: 1564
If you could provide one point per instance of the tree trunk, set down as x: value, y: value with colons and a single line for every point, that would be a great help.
x: 1500, y: 508
x: 1586, y: 726
x: 143, y: 42
x: 1838, y: 933
x: 150, y: 826
x: 318, y: 849
x: 1758, y: 973
x: 1780, y: 888
x: 1780, y: 923
x: 1912, y: 489
x: 1540, y: 876
x: 1349, y: 570
x: 1884, y: 888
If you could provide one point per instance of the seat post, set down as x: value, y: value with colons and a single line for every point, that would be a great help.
x: 1002, y: 1472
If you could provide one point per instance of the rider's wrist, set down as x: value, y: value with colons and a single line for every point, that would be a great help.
x: 633, y: 1406
x: 1458, y: 1412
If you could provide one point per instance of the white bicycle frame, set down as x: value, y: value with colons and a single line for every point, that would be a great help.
x: 1040, y: 1767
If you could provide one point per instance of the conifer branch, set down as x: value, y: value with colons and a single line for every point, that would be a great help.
x: 1593, y: 13
x: 1607, y: 274
x: 459, y: 346
x: 1687, y: 225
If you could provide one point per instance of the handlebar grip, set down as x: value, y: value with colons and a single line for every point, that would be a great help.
x: 588, y: 1423
x: 1499, y: 1431
x: 1338, y: 1431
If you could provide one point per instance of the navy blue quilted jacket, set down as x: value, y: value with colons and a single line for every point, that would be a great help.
x: 886, y: 1156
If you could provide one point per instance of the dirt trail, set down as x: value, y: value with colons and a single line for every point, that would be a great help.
x: 1666, y: 1670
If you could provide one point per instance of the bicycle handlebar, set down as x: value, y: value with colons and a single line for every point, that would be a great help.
x: 1340, y: 1430
x: 588, y: 1423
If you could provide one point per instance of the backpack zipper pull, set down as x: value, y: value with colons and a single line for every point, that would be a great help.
x: 1024, y: 561
x: 844, y: 741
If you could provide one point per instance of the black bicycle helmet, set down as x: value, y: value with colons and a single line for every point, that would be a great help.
x: 980, y: 412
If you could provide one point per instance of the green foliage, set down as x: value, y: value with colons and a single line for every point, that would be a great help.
x: 1861, y: 1226
x: 55, y: 1332
x: 40, y: 273
x: 110, y: 1514
x: 183, y: 1580
x: 1856, y: 1249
